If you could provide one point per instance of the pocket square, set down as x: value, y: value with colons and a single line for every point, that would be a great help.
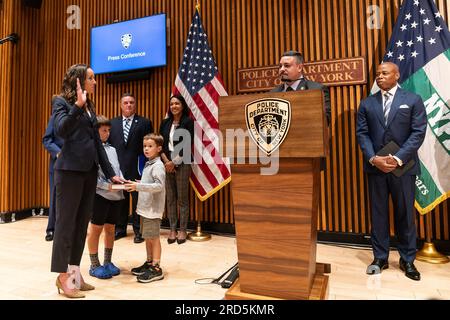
x: 404, y: 106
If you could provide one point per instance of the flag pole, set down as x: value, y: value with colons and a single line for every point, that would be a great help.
x: 199, y: 235
x: 429, y: 253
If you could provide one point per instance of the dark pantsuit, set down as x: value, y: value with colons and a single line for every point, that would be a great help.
x: 75, y: 192
x: 177, y: 192
x: 402, y: 192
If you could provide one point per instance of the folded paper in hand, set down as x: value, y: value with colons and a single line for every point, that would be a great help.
x: 391, y: 149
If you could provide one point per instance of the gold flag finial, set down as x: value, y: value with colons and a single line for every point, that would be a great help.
x: 197, y: 6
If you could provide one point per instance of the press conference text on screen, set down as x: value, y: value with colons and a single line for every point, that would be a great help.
x: 127, y: 56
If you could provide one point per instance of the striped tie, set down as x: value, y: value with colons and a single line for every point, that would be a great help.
x: 126, y: 130
x: 387, y: 106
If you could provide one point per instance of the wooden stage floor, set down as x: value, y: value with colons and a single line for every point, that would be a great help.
x: 25, y: 270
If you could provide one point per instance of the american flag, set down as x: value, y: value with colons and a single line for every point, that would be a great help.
x: 200, y: 83
x: 420, y: 35
x: 420, y: 46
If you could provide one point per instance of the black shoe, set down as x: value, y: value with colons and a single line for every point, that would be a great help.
x: 377, y: 266
x: 409, y: 269
x: 120, y: 234
x: 181, y: 241
x: 150, y: 275
x: 49, y: 236
x: 140, y: 270
x: 138, y: 238
x: 173, y: 233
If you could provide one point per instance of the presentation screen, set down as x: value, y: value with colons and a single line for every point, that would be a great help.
x: 129, y: 45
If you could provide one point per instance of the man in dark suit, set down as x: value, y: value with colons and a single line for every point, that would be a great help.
x: 127, y: 135
x: 392, y: 114
x: 291, y: 73
x: 53, y: 144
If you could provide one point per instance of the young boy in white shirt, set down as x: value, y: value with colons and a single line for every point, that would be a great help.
x: 150, y: 206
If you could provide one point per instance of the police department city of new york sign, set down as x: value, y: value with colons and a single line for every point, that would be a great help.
x: 268, y: 121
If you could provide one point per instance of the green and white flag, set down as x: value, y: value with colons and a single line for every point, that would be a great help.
x: 420, y: 46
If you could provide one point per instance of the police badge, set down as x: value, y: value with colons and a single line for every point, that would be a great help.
x: 126, y: 40
x: 268, y: 122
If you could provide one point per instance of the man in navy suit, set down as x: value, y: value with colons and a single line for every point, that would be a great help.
x: 392, y: 114
x: 127, y: 136
x: 53, y: 144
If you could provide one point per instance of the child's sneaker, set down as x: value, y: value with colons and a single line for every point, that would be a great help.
x: 100, y: 272
x: 112, y: 269
x: 140, y: 270
x: 150, y: 275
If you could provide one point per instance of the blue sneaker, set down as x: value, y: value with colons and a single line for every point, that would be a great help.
x: 100, y: 272
x: 113, y: 270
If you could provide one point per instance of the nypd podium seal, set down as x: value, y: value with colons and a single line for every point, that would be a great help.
x: 268, y: 122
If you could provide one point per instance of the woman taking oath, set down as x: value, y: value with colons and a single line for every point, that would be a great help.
x: 75, y: 176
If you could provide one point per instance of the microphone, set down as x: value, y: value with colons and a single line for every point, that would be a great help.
x: 13, y: 37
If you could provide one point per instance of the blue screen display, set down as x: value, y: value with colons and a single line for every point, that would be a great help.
x: 129, y: 45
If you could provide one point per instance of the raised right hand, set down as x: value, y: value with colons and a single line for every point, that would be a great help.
x: 81, y: 95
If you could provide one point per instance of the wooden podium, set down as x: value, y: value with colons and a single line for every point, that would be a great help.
x: 276, y: 215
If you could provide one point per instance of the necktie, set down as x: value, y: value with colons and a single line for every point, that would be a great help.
x: 289, y: 89
x: 126, y: 130
x: 387, y: 106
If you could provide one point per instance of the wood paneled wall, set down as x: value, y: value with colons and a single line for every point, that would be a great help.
x: 5, y: 96
x: 242, y: 34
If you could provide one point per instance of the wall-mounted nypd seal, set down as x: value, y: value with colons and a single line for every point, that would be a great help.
x: 268, y: 121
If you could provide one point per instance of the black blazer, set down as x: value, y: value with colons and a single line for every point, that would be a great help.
x: 82, y: 148
x: 129, y: 153
x: 186, y: 123
x: 307, y: 85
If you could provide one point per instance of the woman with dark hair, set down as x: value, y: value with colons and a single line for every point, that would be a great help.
x: 75, y: 176
x: 178, y: 132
